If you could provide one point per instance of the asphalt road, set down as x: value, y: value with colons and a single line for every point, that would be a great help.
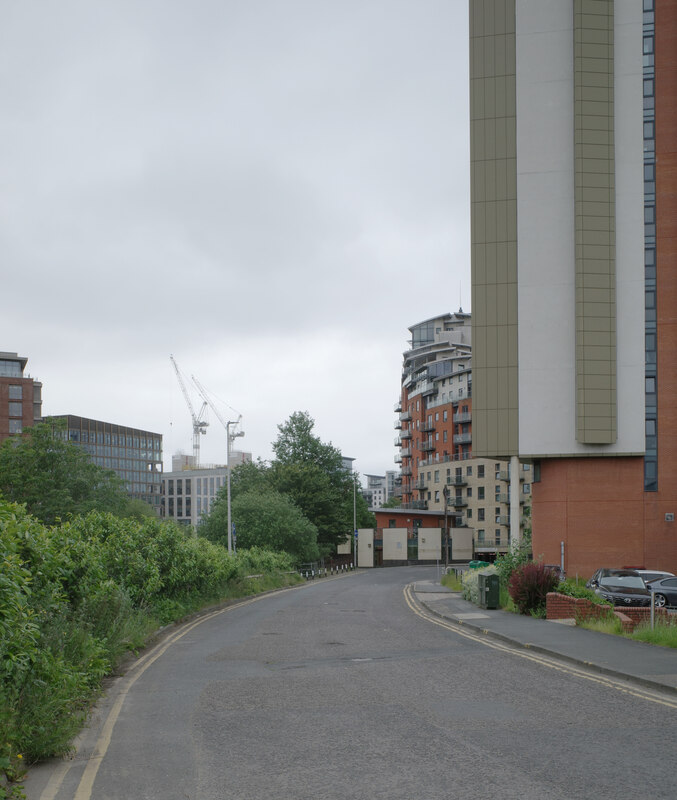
x: 339, y: 690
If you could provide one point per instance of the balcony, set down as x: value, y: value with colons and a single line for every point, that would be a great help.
x: 458, y: 502
x: 397, y: 407
x: 398, y: 458
x: 502, y: 519
x: 491, y: 545
x: 462, y: 438
x: 416, y: 505
x: 398, y: 424
x: 405, y: 452
x: 428, y: 445
x: 427, y: 388
x: 405, y: 416
x: 428, y: 426
x: 502, y: 498
x: 504, y: 475
x: 398, y: 441
x: 457, y: 480
x: 463, y: 417
x: 406, y: 470
x: 421, y: 484
x: 406, y: 434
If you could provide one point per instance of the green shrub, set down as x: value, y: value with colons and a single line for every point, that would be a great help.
x: 573, y: 588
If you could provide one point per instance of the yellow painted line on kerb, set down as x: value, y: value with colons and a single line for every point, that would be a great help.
x: 545, y: 661
x: 84, y: 790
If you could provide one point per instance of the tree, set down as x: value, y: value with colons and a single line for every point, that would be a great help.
x: 392, y: 502
x: 312, y: 474
x: 264, y: 518
x: 54, y: 477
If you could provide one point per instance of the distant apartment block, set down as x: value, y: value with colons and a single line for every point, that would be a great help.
x: 439, y: 471
x: 134, y: 455
x: 20, y: 396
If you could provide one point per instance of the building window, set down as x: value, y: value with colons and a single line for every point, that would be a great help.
x: 15, y: 426
x: 480, y: 514
x: 468, y: 470
x: 15, y: 410
x: 527, y: 488
x: 480, y: 492
x: 480, y: 470
x: 469, y: 513
x: 469, y: 491
x: 15, y: 393
x: 480, y: 535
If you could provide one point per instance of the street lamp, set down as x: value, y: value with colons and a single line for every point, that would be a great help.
x: 230, y: 437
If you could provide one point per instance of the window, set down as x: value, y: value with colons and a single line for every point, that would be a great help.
x: 480, y: 535
x: 437, y: 496
x: 444, y: 416
x: 480, y: 514
x: 15, y: 393
x: 15, y: 410
x: 469, y: 513
x: 468, y: 470
x: 527, y: 488
x: 15, y: 426
x: 480, y: 492
x: 480, y: 470
x: 469, y: 491
x: 437, y: 476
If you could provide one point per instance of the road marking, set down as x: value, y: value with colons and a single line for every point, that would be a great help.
x: 86, y: 784
x: 547, y: 661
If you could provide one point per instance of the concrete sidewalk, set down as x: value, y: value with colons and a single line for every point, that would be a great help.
x: 649, y: 665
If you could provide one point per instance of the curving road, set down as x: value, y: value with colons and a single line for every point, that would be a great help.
x: 339, y: 689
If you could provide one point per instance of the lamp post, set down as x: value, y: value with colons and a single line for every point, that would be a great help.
x: 230, y: 437
x: 355, y: 517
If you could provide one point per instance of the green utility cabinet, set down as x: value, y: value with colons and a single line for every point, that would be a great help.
x: 488, y: 585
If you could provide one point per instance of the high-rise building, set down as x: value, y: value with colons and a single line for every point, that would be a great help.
x: 20, y: 396
x: 435, y: 422
x: 573, y: 223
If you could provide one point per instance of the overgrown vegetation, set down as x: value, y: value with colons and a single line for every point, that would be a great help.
x: 577, y: 588
x: 664, y: 633
x: 75, y: 597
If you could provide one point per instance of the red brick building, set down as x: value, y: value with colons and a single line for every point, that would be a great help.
x: 20, y: 396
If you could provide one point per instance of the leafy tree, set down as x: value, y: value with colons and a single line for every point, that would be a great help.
x: 312, y: 474
x: 264, y: 518
x: 54, y: 477
x: 296, y: 444
x: 392, y: 502
x: 248, y: 477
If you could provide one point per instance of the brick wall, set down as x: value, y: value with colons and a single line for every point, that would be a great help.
x: 561, y: 606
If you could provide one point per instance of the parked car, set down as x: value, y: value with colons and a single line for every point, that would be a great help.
x: 623, y: 590
x: 607, y: 572
x: 651, y: 575
x: 666, y: 591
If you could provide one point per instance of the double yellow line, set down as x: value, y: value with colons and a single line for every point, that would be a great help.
x: 483, y: 638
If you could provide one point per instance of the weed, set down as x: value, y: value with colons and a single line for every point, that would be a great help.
x: 663, y: 633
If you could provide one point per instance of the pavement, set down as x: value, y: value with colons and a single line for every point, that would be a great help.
x: 646, y: 664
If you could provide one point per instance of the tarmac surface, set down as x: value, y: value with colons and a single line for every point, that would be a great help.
x: 646, y: 664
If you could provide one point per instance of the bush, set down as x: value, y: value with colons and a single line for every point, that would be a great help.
x: 529, y: 585
x: 572, y: 588
x: 513, y: 559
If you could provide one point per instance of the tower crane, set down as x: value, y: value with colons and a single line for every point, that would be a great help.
x: 229, y: 441
x: 199, y: 424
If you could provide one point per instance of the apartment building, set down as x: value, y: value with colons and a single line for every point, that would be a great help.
x: 20, y: 396
x: 439, y: 470
x: 573, y: 230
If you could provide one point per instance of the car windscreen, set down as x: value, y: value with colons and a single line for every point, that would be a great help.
x: 623, y: 582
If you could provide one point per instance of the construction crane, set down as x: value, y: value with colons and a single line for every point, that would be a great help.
x: 199, y: 424
x: 229, y: 441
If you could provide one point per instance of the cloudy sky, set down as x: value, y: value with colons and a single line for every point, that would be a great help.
x: 271, y: 190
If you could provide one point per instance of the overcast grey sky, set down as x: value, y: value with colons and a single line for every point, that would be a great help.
x: 271, y: 190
